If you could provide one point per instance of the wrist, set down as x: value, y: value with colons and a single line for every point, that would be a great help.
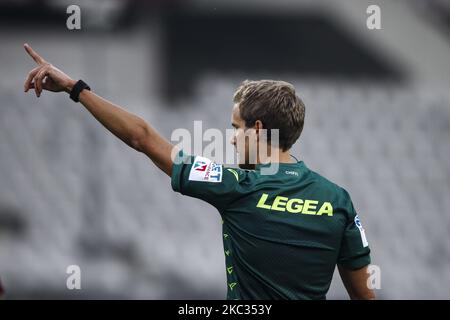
x: 77, y: 88
x: 69, y: 86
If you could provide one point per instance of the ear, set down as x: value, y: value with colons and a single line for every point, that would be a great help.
x: 258, y: 126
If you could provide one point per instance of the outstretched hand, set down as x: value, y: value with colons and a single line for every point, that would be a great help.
x: 45, y: 76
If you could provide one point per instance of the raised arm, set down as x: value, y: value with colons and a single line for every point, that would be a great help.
x: 356, y: 283
x: 129, y: 128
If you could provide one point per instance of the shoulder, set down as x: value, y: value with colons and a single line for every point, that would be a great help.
x: 241, y: 176
x: 326, y: 183
x: 332, y: 189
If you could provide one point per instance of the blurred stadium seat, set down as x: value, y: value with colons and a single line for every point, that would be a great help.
x: 387, y: 146
x: 70, y: 193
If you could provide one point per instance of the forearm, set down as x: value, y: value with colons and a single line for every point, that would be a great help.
x: 129, y: 128
x: 124, y: 125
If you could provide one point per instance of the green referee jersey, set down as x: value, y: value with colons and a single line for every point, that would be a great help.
x: 283, y: 233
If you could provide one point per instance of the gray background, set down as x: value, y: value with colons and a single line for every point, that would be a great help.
x: 71, y: 193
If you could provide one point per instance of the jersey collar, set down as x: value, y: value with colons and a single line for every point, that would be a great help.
x: 298, y: 164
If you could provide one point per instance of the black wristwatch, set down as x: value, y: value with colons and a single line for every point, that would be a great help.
x: 77, y: 88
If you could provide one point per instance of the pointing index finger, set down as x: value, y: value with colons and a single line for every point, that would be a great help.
x: 39, y: 60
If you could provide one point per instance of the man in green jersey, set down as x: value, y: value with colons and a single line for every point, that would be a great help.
x: 284, y: 232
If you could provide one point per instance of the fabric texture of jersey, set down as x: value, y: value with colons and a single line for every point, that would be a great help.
x: 283, y: 233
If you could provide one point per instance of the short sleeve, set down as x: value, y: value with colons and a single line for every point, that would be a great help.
x: 355, y: 252
x: 202, y: 178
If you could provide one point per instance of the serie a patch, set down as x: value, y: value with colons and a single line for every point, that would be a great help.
x: 361, y: 231
x: 205, y: 170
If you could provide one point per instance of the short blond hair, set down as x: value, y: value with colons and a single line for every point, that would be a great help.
x: 275, y: 104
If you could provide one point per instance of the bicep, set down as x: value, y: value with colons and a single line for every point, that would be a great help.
x: 158, y: 149
x: 202, y: 178
x: 356, y: 283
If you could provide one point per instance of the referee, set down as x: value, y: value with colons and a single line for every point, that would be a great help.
x: 283, y: 233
